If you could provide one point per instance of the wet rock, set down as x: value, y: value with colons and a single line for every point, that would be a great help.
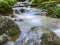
x: 22, y: 10
x: 48, y: 36
x: 13, y: 16
x: 56, y: 42
x: 26, y: 4
x: 40, y: 13
x: 33, y: 5
x: 16, y: 11
x: 38, y: 35
x: 8, y: 29
x: 21, y: 19
x: 19, y: 4
x: 3, y: 39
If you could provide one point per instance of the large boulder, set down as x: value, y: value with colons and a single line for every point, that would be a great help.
x: 9, y: 30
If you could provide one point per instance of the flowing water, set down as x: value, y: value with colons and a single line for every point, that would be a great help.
x: 30, y: 18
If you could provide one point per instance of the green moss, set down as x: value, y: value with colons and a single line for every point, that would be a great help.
x: 8, y: 27
x: 11, y: 33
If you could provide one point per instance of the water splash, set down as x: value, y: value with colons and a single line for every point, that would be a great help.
x: 57, y: 31
x: 10, y: 43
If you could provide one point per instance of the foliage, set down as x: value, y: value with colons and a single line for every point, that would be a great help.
x: 52, y: 6
x: 57, y: 5
x: 43, y: 3
x: 6, y: 6
x: 47, y: 5
x: 11, y: 2
x: 54, y: 13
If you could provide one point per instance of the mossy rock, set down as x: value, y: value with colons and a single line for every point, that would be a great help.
x: 4, y: 40
x: 9, y: 28
x: 56, y: 42
x: 48, y: 36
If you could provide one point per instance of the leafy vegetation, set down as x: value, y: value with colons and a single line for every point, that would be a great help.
x: 43, y: 3
x: 47, y: 5
x: 11, y: 2
x: 52, y: 7
x: 54, y: 13
x: 6, y: 6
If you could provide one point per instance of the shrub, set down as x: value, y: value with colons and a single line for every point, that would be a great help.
x: 54, y: 13
x: 48, y: 4
x: 11, y: 2
x: 6, y: 6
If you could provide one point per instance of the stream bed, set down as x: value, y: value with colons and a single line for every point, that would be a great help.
x: 30, y: 18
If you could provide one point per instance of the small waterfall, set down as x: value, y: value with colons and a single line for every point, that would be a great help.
x: 26, y: 0
x: 16, y: 9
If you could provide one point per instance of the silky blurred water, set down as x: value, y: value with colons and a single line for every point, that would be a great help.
x: 33, y: 17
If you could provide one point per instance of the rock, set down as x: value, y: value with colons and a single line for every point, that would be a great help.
x: 22, y: 10
x: 21, y: 19
x: 3, y: 39
x: 56, y: 42
x: 39, y: 13
x: 13, y: 16
x: 48, y: 36
x: 17, y: 12
x: 8, y: 28
x: 38, y: 35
